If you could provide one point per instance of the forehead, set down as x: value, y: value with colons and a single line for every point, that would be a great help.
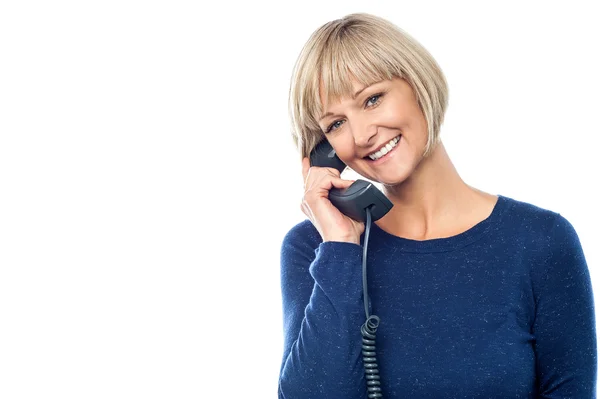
x: 330, y: 95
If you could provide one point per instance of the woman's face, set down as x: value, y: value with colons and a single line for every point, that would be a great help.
x: 385, y: 114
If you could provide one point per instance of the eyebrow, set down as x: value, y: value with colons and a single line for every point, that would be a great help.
x: 353, y: 97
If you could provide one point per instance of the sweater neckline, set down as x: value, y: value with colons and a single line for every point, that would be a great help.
x: 445, y: 244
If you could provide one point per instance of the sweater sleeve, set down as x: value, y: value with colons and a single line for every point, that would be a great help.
x: 564, y: 325
x: 322, y: 313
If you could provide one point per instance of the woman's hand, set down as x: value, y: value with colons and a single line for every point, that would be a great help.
x: 328, y: 220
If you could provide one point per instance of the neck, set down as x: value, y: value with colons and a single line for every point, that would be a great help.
x: 434, y: 201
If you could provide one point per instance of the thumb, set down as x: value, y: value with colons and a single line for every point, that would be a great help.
x: 341, y: 183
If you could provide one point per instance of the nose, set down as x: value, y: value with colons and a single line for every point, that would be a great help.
x: 364, y: 133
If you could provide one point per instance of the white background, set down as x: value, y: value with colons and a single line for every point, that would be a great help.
x: 147, y: 174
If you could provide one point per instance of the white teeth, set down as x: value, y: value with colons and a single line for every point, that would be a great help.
x: 385, y: 149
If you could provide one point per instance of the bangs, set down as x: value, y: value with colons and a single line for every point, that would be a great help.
x: 347, y: 59
x: 342, y: 60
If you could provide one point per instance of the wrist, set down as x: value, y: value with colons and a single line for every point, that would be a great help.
x: 348, y: 239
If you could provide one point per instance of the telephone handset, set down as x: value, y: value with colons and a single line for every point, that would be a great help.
x: 354, y: 200
x: 362, y: 201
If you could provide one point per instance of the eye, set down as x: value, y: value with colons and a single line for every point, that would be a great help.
x: 373, y: 100
x: 334, y: 126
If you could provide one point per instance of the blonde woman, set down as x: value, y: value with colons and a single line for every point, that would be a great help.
x: 478, y: 295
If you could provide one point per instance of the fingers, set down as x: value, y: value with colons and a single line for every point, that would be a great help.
x: 310, y: 174
x: 305, y: 167
x: 321, y: 180
x: 341, y: 183
x: 331, y: 223
x: 305, y: 170
x: 318, y: 187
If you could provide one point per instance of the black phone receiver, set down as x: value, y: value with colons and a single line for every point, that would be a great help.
x: 354, y: 200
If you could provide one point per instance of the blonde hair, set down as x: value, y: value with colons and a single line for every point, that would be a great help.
x: 369, y: 49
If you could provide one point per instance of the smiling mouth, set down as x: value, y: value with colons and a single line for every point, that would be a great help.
x: 384, y: 150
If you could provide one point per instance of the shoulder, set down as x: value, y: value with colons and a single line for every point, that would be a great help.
x: 542, y: 229
x: 300, y: 241
x: 537, y: 223
x: 563, y: 240
x: 529, y: 214
x: 298, y: 251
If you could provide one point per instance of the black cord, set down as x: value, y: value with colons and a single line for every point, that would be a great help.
x: 369, y: 329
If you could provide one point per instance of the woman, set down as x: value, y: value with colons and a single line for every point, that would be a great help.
x: 478, y: 295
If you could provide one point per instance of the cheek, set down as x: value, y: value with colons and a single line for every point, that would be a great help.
x: 420, y: 126
x: 394, y: 115
x: 408, y: 119
x: 344, y: 149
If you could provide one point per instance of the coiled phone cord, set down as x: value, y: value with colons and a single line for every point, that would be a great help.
x: 369, y: 329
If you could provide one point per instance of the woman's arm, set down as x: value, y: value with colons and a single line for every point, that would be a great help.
x: 323, y: 312
x: 564, y: 326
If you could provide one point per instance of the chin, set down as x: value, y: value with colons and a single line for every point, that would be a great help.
x: 393, y: 181
x: 391, y: 174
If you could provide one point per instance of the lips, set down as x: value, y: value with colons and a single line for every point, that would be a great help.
x: 384, y: 149
x: 385, y: 156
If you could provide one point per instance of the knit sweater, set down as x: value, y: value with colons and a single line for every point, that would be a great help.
x: 504, y: 309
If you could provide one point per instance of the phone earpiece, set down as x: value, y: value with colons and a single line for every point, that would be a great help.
x: 324, y: 155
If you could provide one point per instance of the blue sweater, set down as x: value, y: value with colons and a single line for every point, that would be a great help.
x: 502, y: 310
